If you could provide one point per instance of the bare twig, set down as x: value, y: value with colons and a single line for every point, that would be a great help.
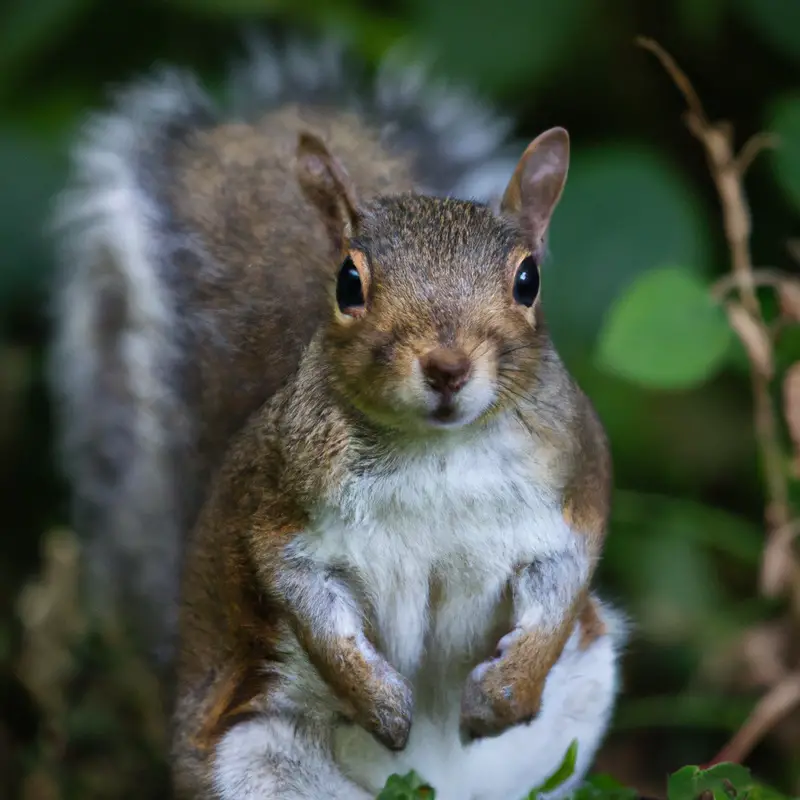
x: 754, y: 337
x: 726, y: 169
x: 774, y: 706
x: 752, y: 147
x: 765, y: 276
x: 776, y: 571
x: 677, y: 74
x: 780, y: 570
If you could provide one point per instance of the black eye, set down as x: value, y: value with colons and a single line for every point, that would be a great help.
x: 349, y: 292
x: 526, y: 282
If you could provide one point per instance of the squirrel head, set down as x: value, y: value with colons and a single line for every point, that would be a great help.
x: 435, y: 314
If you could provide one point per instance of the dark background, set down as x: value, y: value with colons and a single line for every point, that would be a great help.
x: 78, y: 714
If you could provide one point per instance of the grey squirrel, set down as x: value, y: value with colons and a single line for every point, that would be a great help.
x: 296, y: 369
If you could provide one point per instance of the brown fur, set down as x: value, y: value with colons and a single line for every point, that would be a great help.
x: 233, y: 189
x: 236, y: 185
x: 273, y: 207
x: 591, y: 624
x: 510, y: 692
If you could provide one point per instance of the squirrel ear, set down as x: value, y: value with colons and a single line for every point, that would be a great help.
x: 536, y: 185
x: 327, y: 186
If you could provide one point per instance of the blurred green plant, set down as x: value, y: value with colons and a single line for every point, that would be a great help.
x: 720, y: 782
x: 666, y: 331
x: 589, y: 271
x: 406, y: 787
x: 725, y: 781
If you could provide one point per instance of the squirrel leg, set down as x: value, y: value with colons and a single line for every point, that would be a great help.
x: 329, y: 625
x: 276, y: 757
x: 506, y: 690
x: 579, y: 697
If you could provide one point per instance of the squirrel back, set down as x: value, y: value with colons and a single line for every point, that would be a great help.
x: 189, y: 280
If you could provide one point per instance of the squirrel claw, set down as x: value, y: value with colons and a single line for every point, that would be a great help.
x: 488, y: 705
x: 391, y: 716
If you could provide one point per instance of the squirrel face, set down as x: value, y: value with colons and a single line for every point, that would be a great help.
x: 434, y: 314
x: 435, y: 319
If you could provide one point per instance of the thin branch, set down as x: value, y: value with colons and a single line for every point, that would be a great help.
x: 725, y: 167
x: 773, y: 707
x: 777, y: 560
x: 677, y: 74
x: 751, y: 149
x: 761, y: 277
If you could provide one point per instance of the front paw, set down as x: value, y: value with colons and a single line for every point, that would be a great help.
x: 374, y: 694
x: 502, y: 692
x: 390, y: 713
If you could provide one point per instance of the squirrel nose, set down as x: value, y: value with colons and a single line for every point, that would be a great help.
x: 445, y: 370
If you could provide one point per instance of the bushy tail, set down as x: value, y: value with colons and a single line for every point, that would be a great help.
x: 123, y: 343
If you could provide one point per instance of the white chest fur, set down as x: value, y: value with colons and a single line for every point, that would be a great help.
x: 434, y: 538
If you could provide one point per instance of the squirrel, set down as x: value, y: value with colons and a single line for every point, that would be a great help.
x: 319, y: 437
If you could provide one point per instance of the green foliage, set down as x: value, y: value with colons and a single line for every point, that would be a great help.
x: 724, y: 781
x: 720, y: 782
x: 411, y: 786
x: 604, y: 235
x: 665, y: 332
x: 406, y: 787
x: 564, y: 772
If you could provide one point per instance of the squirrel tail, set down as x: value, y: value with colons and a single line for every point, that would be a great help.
x: 122, y: 338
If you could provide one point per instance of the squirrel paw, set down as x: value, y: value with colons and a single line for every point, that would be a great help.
x: 390, y: 714
x: 500, y: 693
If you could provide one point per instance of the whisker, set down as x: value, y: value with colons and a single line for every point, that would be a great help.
x: 509, y: 350
x: 513, y: 391
x: 481, y: 350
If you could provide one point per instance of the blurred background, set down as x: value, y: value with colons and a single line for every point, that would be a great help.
x: 79, y: 714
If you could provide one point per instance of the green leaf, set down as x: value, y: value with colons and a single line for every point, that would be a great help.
x: 784, y: 120
x: 561, y: 775
x: 723, y: 781
x: 681, y: 784
x: 406, y: 787
x: 737, y: 775
x: 665, y: 332
x: 625, y: 211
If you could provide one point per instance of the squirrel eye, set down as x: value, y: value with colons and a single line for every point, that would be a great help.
x: 526, y: 282
x: 349, y: 291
